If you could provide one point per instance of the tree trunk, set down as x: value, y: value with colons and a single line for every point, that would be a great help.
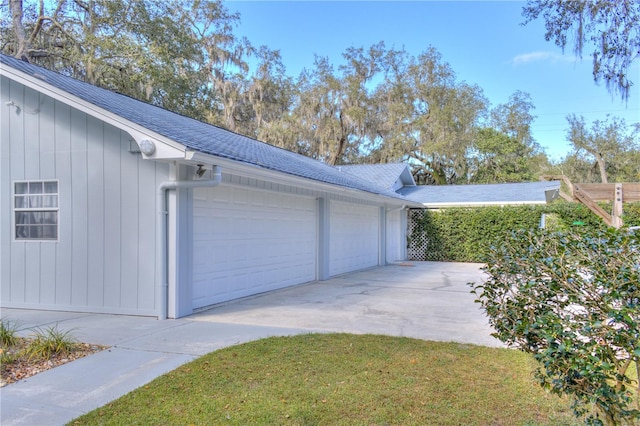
x: 22, y: 48
x: 337, y: 154
x: 601, y: 167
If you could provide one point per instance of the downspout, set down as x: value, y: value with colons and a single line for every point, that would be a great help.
x: 161, y: 232
x: 404, y: 206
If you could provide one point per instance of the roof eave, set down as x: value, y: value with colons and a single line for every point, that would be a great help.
x: 479, y: 204
x: 165, y: 148
x: 254, y: 171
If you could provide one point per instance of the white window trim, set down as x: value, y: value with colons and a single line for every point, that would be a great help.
x: 42, y: 209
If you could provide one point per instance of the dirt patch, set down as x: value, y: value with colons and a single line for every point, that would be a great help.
x: 16, y: 365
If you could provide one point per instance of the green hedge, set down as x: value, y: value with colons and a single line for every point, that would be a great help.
x: 465, y: 234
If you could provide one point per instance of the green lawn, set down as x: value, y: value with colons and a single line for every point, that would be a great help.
x: 329, y: 379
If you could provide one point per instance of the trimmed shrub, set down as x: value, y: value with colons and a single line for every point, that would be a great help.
x: 465, y: 234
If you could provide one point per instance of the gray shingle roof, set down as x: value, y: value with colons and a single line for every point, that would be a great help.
x: 199, y: 136
x: 383, y: 175
x: 501, y: 193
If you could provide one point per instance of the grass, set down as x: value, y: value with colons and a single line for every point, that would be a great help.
x: 634, y: 388
x: 8, y: 339
x: 50, y: 341
x: 8, y: 333
x: 322, y: 379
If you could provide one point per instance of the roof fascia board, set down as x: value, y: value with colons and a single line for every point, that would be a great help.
x: 252, y: 171
x: 407, y: 177
x: 480, y: 204
x: 168, y: 149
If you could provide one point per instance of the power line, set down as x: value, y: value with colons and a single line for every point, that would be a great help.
x: 590, y: 112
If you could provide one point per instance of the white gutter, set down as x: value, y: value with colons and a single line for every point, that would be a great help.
x: 161, y: 233
x: 446, y: 205
x: 254, y: 171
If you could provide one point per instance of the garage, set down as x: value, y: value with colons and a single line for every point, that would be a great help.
x: 354, y: 237
x: 248, y: 241
x: 176, y: 214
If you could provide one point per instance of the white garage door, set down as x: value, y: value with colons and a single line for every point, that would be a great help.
x: 354, y: 237
x: 248, y: 242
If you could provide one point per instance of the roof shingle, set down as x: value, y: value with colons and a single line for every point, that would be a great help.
x: 383, y: 175
x: 500, y: 193
x: 199, y: 136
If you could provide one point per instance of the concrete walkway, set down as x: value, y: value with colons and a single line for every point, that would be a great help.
x: 428, y: 300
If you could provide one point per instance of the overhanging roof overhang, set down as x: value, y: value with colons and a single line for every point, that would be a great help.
x: 169, y: 150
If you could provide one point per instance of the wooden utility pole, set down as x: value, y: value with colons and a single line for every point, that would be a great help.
x: 616, y: 212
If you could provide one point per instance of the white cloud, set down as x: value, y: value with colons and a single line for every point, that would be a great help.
x: 527, y: 58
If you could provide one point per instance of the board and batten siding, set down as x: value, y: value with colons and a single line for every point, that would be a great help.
x: 105, y: 256
x: 396, y: 238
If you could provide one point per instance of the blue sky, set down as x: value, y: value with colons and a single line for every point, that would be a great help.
x: 482, y: 41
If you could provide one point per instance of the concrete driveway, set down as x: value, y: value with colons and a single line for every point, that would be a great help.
x: 427, y: 300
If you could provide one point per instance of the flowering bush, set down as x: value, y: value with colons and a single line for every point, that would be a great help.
x: 572, y: 299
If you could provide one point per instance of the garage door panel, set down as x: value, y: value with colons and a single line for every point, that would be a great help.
x: 240, y: 197
x: 354, y: 237
x: 258, y: 198
x: 256, y: 242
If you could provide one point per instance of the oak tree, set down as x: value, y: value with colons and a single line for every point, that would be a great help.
x: 611, y: 28
x: 607, y: 150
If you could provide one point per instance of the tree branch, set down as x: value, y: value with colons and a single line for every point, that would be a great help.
x: 15, y: 7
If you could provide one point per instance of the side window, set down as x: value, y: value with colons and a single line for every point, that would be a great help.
x: 35, y: 204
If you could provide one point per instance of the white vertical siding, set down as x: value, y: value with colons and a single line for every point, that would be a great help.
x: 57, y: 292
x: 14, y: 259
x: 93, y: 243
x: 75, y: 209
x: 104, y: 260
x: 111, y: 191
x: 5, y: 192
x: 395, y: 236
